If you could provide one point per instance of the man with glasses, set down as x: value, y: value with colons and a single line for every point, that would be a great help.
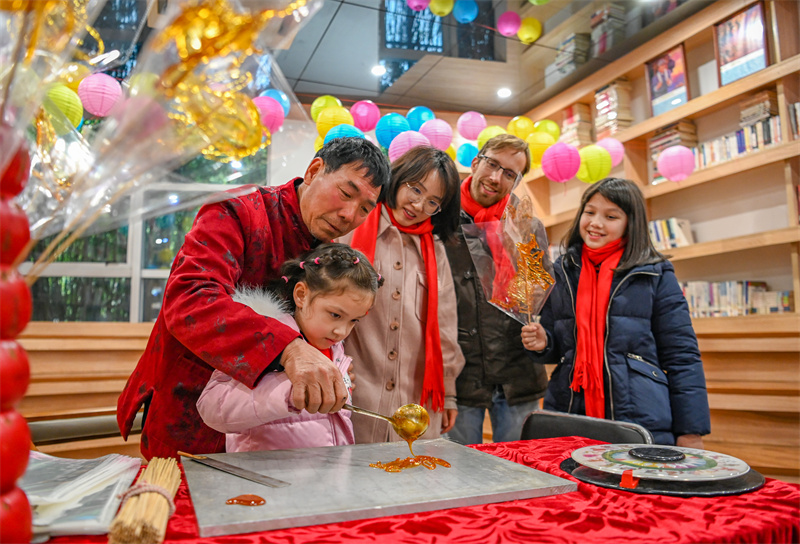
x: 499, y: 375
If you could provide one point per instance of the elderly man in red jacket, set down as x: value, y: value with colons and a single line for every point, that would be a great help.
x: 244, y: 241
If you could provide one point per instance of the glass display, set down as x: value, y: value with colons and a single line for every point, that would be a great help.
x: 105, y: 247
x: 152, y: 296
x: 81, y: 299
x: 163, y: 237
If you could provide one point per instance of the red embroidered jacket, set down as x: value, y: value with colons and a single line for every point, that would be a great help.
x: 241, y: 241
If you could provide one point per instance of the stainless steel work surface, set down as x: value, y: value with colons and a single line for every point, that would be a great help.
x: 337, y: 484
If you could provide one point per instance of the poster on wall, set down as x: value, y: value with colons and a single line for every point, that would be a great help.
x: 666, y: 81
x: 740, y: 43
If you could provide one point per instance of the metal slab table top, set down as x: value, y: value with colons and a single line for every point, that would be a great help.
x: 336, y: 484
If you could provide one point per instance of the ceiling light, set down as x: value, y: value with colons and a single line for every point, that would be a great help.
x: 378, y: 69
x: 505, y: 92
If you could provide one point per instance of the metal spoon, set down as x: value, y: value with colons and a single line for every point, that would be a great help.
x: 409, y: 421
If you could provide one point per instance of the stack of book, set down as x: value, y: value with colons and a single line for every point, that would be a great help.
x: 671, y: 233
x: 681, y: 133
x: 608, y: 27
x: 576, y: 127
x: 794, y: 115
x: 612, y: 108
x: 735, y: 298
x: 572, y: 52
x: 758, y: 107
x: 747, y: 139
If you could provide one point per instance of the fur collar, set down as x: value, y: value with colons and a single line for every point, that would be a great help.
x: 261, y: 301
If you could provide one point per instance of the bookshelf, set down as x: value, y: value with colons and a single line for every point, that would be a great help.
x: 746, y: 215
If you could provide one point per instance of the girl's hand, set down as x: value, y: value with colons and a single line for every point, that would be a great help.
x: 448, y: 419
x: 534, y: 337
x: 690, y: 441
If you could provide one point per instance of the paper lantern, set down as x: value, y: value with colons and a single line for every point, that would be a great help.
x: 271, y: 112
x: 67, y: 102
x: 614, y: 148
x: 318, y: 143
x: 465, y: 11
x: 343, y: 131
x: 548, y: 126
x: 676, y: 163
x: 470, y: 124
x: 538, y: 2
x: 405, y: 141
x: 441, y: 8
x: 281, y: 97
x: 508, y: 23
x: 142, y: 84
x: 451, y: 152
x: 595, y: 164
x: 418, y: 115
x: 439, y: 132
x: 142, y: 112
x: 365, y: 115
x: 466, y: 153
x: 331, y: 117
x: 99, y: 93
x: 538, y: 142
x: 418, y: 5
x: 389, y: 126
x: 530, y: 30
x: 560, y: 162
x: 488, y: 133
x: 322, y: 102
x: 520, y: 126
x: 72, y: 74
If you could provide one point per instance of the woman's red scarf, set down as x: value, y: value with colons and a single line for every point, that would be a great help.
x: 491, y: 216
x: 364, y: 239
x: 594, y: 291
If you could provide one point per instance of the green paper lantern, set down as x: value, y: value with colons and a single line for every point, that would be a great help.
x: 488, y: 133
x: 548, y: 126
x: 68, y: 103
x: 595, y: 164
x: 323, y: 102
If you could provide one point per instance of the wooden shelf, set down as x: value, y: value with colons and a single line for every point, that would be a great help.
x: 788, y: 235
x: 751, y: 325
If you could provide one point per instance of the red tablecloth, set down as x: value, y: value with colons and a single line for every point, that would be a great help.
x: 590, y: 515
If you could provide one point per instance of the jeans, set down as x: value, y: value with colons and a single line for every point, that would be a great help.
x: 506, y: 420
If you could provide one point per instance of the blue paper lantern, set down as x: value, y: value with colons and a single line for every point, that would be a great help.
x: 281, y: 97
x: 389, y: 126
x: 466, y: 152
x: 343, y: 131
x: 465, y: 11
x: 418, y: 115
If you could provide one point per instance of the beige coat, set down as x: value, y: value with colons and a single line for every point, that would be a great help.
x: 388, y: 345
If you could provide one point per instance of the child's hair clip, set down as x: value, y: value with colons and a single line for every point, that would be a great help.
x: 357, y: 261
x: 316, y: 260
x: 285, y: 279
x: 302, y: 265
x: 379, y: 277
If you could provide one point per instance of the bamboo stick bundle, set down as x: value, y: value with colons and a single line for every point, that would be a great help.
x: 143, y: 517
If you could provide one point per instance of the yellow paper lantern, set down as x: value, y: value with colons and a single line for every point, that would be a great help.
x: 529, y: 30
x: 67, y: 101
x: 72, y: 74
x: 538, y: 142
x: 331, y: 117
x: 143, y: 84
x: 441, y: 8
x: 520, y: 126
x: 451, y: 152
x: 548, y: 126
x: 488, y: 133
x: 323, y: 102
x: 595, y: 164
x: 318, y: 143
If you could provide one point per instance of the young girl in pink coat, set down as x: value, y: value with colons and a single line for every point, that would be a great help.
x: 322, y: 295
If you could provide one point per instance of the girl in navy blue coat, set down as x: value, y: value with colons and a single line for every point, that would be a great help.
x: 618, y: 325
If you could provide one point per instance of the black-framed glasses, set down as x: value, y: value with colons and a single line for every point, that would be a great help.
x: 415, y: 195
x: 508, y: 175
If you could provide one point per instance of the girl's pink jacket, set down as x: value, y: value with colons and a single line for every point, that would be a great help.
x: 264, y: 418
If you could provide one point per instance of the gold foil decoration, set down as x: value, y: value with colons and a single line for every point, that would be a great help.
x: 530, y: 275
x: 47, y: 24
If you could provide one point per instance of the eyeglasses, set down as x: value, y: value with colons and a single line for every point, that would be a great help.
x: 415, y: 195
x: 508, y: 175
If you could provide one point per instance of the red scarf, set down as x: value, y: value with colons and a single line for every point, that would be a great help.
x: 491, y: 216
x: 594, y: 291
x: 364, y: 239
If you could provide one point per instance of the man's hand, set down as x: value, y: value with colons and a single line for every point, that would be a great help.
x: 317, y: 385
x: 534, y: 337
x: 690, y: 441
x: 448, y: 419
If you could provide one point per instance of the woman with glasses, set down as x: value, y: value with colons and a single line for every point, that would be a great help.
x: 406, y: 349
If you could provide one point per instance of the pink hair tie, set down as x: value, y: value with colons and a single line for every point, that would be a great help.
x: 379, y: 277
x: 357, y: 261
x: 302, y: 265
x: 316, y: 261
x: 285, y: 279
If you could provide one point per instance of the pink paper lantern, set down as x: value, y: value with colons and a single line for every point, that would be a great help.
x: 439, y: 132
x: 141, y: 116
x: 405, y: 141
x: 561, y: 162
x: 365, y: 115
x: 271, y: 112
x: 614, y: 148
x: 99, y: 93
x: 418, y: 5
x: 470, y: 124
x: 676, y: 163
x: 508, y: 23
